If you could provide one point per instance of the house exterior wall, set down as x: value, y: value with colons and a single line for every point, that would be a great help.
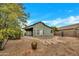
x: 58, y: 33
x: 41, y: 30
x: 68, y: 33
x: 28, y: 33
x: 77, y: 33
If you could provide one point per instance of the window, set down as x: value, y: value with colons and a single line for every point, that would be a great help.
x: 37, y: 32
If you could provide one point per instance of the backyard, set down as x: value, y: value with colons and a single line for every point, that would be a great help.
x: 55, y: 46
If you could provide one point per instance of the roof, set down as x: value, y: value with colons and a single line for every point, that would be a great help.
x: 73, y: 26
x: 31, y: 26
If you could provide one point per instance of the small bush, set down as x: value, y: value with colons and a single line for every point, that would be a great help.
x: 3, y: 34
x: 14, y: 33
x: 10, y: 34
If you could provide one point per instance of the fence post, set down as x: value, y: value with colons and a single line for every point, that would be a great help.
x: 62, y: 33
x: 75, y: 32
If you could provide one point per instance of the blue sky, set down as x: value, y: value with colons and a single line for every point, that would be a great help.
x: 53, y: 14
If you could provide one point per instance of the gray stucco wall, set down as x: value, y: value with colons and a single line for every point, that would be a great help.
x: 28, y: 33
x: 46, y: 31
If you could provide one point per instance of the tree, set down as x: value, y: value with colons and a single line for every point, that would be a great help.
x: 13, y: 12
x: 11, y: 16
x: 54, y: 29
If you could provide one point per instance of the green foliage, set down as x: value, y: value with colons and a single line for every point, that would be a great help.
x: 14, y: 33
x: 1, y: 37
x: 11, y: 16
x: 3, y: 34
x: 54, y: 29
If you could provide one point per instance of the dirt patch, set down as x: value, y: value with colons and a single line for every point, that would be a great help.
x: 65, y: 46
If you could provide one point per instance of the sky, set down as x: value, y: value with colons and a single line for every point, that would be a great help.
x: 52, y: 14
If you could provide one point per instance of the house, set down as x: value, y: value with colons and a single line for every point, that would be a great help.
x: 39, y: 29
x: 73, y: 26
x: 70, y: 30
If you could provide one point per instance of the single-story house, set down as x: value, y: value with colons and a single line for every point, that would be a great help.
x: 69, y: 27
x: 38, y: 29
x: 70, y: 30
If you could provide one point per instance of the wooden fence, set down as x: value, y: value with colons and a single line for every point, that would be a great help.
x: 68, y: 32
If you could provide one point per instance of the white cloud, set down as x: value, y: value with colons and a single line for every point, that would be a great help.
x: 63, y: 22
x: 73, y: 19
x: 58, y: 21
x: 29, y: 22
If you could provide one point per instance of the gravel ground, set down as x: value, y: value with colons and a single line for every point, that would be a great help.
x: 54, y: 46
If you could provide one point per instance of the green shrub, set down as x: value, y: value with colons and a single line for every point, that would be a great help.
x: 10, y: 34
x: 14, y: 33
x: 17, y: 34
x: 1, y: 37
x: 3, y: 34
